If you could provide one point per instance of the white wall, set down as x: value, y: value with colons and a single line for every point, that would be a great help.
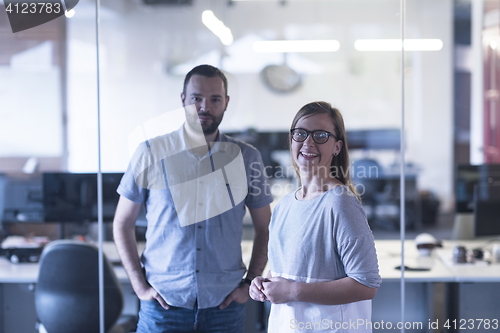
x: 429, y: 100
x: 30, y: 104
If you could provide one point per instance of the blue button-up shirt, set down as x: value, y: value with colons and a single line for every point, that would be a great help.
x: 193, y: 238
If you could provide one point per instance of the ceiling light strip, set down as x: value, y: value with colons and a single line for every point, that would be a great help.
x: 217, y: 27
x: 286, y: 46
x: 396, y: 45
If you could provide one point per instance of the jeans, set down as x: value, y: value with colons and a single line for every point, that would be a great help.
x: 155, y: 319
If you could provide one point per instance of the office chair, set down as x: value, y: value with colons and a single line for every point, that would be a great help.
x: 67, y: 292
x: 367, y: 175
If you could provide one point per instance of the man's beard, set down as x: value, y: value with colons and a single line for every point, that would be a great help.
x: 206, y: 128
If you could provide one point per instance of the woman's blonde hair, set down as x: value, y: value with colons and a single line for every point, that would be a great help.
x: 340, y: 167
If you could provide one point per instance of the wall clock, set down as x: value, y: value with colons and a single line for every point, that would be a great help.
x: 281, y: 78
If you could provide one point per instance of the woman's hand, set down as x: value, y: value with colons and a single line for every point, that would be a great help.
x: 279, y: 290
x: 256, y: 289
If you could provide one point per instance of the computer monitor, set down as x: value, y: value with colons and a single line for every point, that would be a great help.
x: 469, y: 176
x: 487, y: 210
x: 377, y: 139
x: 22, y: 198
x: 72, y: 197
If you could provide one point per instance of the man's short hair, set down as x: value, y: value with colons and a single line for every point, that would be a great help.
x: 205, y: 70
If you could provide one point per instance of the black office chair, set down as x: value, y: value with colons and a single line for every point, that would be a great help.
x: 67, y: 292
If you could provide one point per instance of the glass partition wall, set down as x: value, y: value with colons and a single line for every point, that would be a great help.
x: 357, y: 67
x: 36, y: 69
x: 352, y: 59
x: 148, y: 48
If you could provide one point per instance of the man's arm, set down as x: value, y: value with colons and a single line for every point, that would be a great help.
x: 260, y: 220
x: 124, y: 234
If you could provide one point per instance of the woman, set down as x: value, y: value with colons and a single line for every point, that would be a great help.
x: 324, y: 269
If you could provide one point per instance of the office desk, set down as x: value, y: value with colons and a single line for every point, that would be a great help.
x: 18, y: 281
x: 469, y: 272
x: 476, y: 289
x: 28, y: 272
x: 389, y: 256
x: 422, y: 292
x: 446, y: 291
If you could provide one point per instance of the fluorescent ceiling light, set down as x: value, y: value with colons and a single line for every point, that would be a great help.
x: 217, y: 27
x: 272, y: 0
x: 69, y: 13
x: 285, y: 46
x: 395, y: 44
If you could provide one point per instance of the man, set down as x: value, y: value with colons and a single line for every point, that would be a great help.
x: 190, y: 276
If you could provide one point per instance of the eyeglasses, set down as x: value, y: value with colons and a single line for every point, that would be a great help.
x: 318, y: 136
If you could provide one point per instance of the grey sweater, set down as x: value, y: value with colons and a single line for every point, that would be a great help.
x: 323, y: 239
